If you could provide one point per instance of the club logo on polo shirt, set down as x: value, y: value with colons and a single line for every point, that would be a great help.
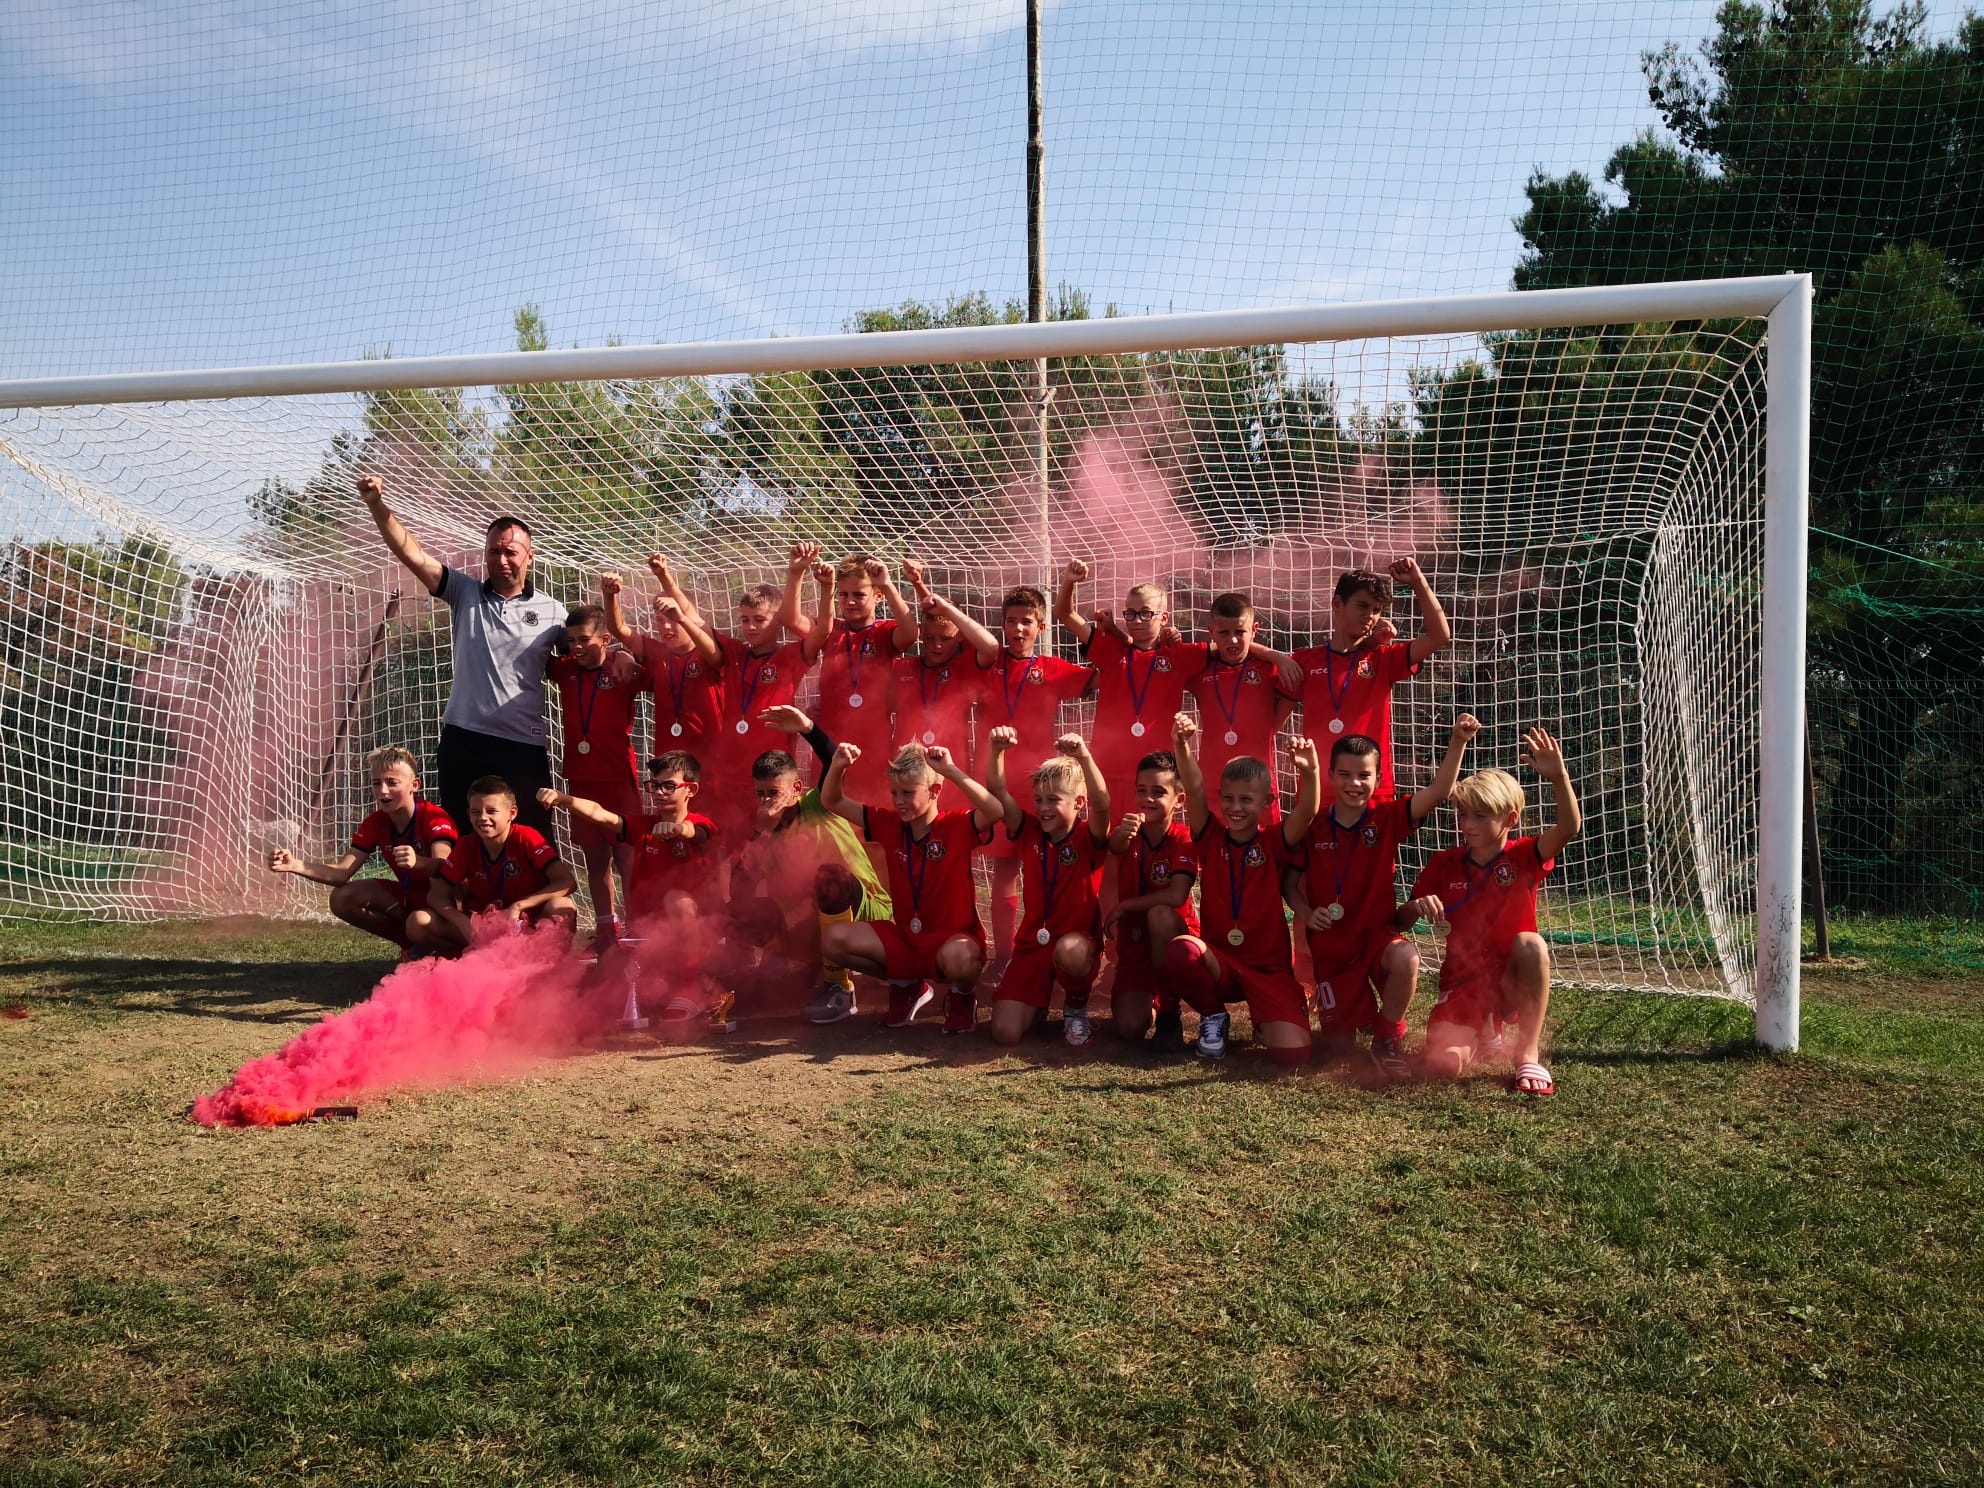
x: 1255, y: 856
x: 1251, y: 674
x: 1067, y: 852
x: 768, y: 673
x: 1370, y: 834
x: 1160, y: 872
x: 530, y: 617
x: 1504, y: 875
x: 1364, y: 666
x: 935, y: 850
x: 1162, y: 664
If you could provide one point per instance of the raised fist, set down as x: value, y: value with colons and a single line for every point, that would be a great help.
x: 371, y: 489
x: 846, y: 754
x: 547, y: 797
x: 1406, y: 571
x: 1183, y: 729
x: 913, y: 572
x: 282, y: 860
x: 1004, y: 737
x: 610, y: 584
x: 1076, y: 571
x: 401, y: 856
x: 802, y: 558
x: 1466, y: 726
x: 1072, y: 745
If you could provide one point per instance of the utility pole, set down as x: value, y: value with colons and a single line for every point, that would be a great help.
x: 1036, y: 273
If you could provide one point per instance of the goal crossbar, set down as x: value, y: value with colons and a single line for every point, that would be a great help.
x: 1783, y: 301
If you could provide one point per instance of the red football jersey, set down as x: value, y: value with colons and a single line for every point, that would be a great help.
x: 1060, y: 882
x: 688, y: 704
x: 1353, y: 695
x: 751, y: 684
x: 666, y: 863
x: 1487, y: 908
x: 515, y: 873
x: 1135, y: 687
x: 930, y: 881
x: 1357, y: 867
x: 1240, y: 888
x: 1027, y: 692
x: 599, y: 715
x: 1142, y: 869
x: 1239, y: 709
x: 855, y: 665
x: 932, y: 704
x: 428, y: 825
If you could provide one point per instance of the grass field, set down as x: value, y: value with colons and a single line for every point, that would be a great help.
x: 844, y: 1256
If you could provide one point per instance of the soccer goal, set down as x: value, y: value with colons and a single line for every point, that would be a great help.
x: 1606, y: 486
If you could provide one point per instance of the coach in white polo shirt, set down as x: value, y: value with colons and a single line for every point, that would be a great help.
x: 504, y: 631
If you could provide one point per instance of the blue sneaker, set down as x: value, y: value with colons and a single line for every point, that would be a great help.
x: 1212, y: 1035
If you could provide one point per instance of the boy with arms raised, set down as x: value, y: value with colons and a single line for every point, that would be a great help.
x: 597, y: 684
x: 1140, y: 675
x: 1347, y: 898
x: 687, y: 667
x: 1156, y: 865
x: 1245, y: 954
x: 413, y: 836
x: 1346, y: 684
x: 1497, y: 968
x: 934, y: 931
x: 504, y: 866
x: 1244, y: 693
x: 931, y: 693
x: 854, y: 650
x: 1061, y: 860
x: 1023, y: 691
x: 676, y: 879
x: 803, y: 869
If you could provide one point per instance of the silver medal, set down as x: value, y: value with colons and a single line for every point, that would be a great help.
x: 929, y: 736
x: 585, y: 747
x: 1335, y: 911
x: 1235, y: 936
x: 743, y: 727
x: 1042, y: 936
x: 675, y: 730
x: 1336, y: 725
x: 1232, y: 736
x: 1137, y: 729
x: 854, y: 700
x: 915, y: 924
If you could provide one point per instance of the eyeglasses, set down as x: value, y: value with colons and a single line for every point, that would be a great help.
x: 669, y: 787
x: 1140, y: 614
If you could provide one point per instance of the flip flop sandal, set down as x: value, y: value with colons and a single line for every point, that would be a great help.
x: 1534, y: 1079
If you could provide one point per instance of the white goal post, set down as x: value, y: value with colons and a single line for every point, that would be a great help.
x: 1783, y: 303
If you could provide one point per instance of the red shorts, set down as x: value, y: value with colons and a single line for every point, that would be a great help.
x: 1347, y: 978
x: 1271, y: 995
x: 913, y: 958
x: 621, y: 797
x: 1475, y: 1002
x: 1030, y: 977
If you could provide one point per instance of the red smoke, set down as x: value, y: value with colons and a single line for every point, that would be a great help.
x: 509, y: 1000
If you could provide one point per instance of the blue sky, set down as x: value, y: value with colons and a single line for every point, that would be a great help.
x: 218, y: 183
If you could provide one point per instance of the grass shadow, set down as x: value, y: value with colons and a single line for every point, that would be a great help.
x: 252, y: 992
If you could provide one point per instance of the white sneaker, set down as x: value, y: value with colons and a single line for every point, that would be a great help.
x: 1212, y: 1035
x: 1075, y: 1030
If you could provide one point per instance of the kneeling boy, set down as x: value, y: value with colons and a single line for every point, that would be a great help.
x: 1061, y: 860
x: 935, y: 930
x: 1497, y: 968
x: 505, y: 867
x: 1156, y: 867
x: 1347, y: 898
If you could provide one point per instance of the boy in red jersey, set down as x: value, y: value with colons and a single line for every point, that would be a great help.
x: 1023, y: 691
x: 677, y: 879
x: 1347, y: 683
x: 1061, y: 860
x: 1347, y: 898
x: 934, y: 931
x: 1244, y: 693
x: 932, y: 692
x: 854, y: 650
x: 1496, y: 969
x: 687, y: 667
x: 597, y: 685
x: 1156, y: 867
x: 506, y: 867
x: 1245, y: 953
x: 758, y: 671
x: 413, y: 836
x: 1140, y: 676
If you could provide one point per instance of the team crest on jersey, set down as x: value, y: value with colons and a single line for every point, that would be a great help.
x: 530, y: 617
x: 1160, y: 872
x: 695, y: 669
x: 1364, y: 667
x: 1251, y: 674
x: 1255, y: 857
x: 1370, y: 834
x: 768, y: 674
x: 1035, y: 677
x: 935, y: 850
x: 680, y: 847
x: 1504, y: 875
x: 1067, y: 852
x: 604, y: 682
x: 1162, y: 664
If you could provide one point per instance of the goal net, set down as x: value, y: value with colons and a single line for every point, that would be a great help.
x: 204, y: 635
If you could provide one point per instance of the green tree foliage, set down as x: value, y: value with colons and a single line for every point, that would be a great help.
x: 1816, y: 136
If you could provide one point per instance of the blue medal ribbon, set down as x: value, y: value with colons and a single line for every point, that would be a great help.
x: 1137, y: 695
x: 1474, y: 884
x: 1338, y: 859
x: 916, y: 864
x: 490, y: 864
x: 1049, y: 850
x: 1006, y: 683
x: 1236, y: 874
x: 750, y: 677
x: 678, y: 685
x: 1337, y: 694
x: 598, y: 675
x: 1238, y: 668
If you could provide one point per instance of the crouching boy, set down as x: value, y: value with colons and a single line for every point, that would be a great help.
x: 504, y: 867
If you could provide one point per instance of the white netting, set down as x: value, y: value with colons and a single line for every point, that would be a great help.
x: 204, y: 635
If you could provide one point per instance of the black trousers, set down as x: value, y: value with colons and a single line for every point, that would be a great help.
x: 464, y: 757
